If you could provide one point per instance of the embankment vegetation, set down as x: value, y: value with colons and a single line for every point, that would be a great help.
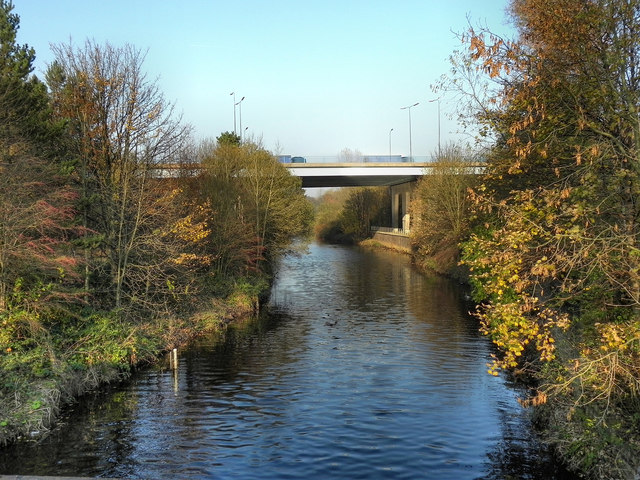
x: 441, y: 211
x: 552, y: 238
x: 346, y: 215
x: 106, y: 256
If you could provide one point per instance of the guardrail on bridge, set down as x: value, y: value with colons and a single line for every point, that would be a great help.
x: 397, y: 231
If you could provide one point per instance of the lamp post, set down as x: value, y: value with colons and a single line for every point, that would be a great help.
x: 409, y: 107
x: 240, y: 111
x: 431, y: 101
x: 390, y: 143
x: 234, y: 111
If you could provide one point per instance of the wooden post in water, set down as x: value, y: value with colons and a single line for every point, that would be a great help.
x: 173, y: 365
x: 173, y: 359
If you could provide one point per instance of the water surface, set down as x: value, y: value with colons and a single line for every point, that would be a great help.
x: 360, y: 367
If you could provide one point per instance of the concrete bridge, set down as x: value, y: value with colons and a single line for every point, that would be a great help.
x: 399, y: 175
x: 356, y: 174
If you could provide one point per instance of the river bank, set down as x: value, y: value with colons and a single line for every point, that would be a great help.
x: 30, y: 405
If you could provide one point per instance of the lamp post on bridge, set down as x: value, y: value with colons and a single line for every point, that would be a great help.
x: 240, y: 110
x: 409, y: 107
x: 431, y: 101
x: 390, y: 143
x: 234, y: 112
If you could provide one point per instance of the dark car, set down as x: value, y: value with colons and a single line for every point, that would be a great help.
x: 298, y: 160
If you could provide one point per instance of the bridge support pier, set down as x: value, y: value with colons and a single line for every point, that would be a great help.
x: 400, y: 198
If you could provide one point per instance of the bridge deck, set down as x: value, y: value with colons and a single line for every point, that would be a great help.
x: 356, y: 174
x: 338, y: 174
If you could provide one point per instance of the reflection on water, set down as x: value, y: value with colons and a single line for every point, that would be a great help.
x: 360, y: 368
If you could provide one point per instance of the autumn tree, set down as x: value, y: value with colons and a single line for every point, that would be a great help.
x: 346, y: 215
x: 255, y: 206
x: 227, y: 236
x: 36, y: 212
x: 328, y: 208
x: 121, y: 127
x: 558, y: 247
x: 364, y: 207
x: 275, y: 201
x: 440, y: 208
x: 38, y: 265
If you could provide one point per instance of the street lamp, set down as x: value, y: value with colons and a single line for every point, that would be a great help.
x: 409, y: 107
x: 234, y: 111
x: 390, y: 143
x: 431, y: 101
x: 240, y: 110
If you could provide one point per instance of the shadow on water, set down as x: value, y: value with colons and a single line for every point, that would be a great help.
x: 360, y: 367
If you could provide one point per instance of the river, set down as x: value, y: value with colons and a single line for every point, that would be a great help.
x: 359, y: 367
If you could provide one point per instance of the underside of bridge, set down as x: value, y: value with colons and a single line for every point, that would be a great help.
x: 355, y: 181
x: 356, y: 175
x: 400, y: 178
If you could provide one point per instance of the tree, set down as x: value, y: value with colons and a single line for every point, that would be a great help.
x: 569, y: 158
x: 327, y: 216
x: 230, y: 138
x: 35, y: 204
x: 36, y: 224
x: 257, y: 207
x: 558, y: 247
x: 121, y: 127
x: 38, y: 274
x: 441, y: 209
x: 364, y: 207
x: 277, y: 203
x: 350, y: 156
x: 25, y: 120
x: 218, y: 190
x: 347, y: 214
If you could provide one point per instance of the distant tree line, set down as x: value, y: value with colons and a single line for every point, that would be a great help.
x: 346, y: 215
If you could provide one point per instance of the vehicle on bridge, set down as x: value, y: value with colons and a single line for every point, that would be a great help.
x: 298, y: 160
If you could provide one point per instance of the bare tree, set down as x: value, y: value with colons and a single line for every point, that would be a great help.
x: 121, y: 127
x: 350, y: 156
x: 441, y: 207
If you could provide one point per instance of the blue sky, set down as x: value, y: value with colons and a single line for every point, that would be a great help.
x: 317, y: 76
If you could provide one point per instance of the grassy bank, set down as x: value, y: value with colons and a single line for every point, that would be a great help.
x: 375, y: 244
x: 45, y: 374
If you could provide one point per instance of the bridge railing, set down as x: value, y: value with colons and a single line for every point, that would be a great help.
x: 397, y: 231
x: 360, y: 159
